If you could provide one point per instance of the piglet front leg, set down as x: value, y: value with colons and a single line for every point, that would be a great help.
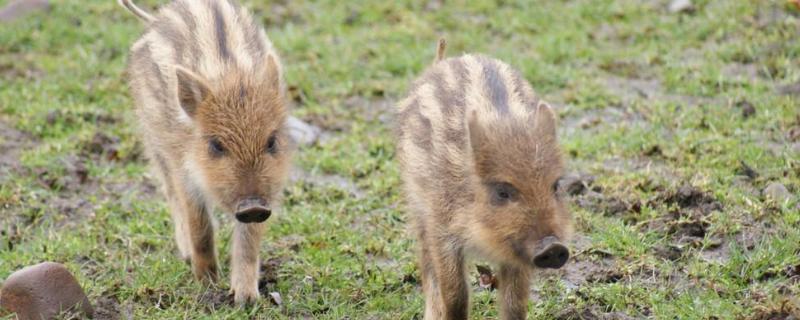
x: 245, y: 263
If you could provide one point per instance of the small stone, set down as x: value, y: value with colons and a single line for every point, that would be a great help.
x: 276, y: 298
x: 303, y: 133
x: 43, y: 291
x: 777, y: 191
x: 677, y: 6
x: 19, y: 8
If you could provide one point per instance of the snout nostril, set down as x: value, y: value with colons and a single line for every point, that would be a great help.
x: 553, y: 257
x: 255, y: 214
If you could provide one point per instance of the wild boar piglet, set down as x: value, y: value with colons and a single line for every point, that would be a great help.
x: 210, y: 102
x: 480, y: 163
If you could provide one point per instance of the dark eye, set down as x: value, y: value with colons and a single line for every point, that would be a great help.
x: 502, y: 193
x: 272, y: 144
x: 215, y: 147
x: 555, y: 186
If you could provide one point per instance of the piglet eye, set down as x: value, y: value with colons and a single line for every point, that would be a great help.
x: 215, y: 147
x: 272, y: 144
x: 502, y: 193
x: 555, y: 186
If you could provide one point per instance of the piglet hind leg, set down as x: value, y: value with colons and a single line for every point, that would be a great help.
x: 245, y: 261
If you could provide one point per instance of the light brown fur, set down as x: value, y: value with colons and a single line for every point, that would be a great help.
x: 210, y: 101
x: 470, y: 127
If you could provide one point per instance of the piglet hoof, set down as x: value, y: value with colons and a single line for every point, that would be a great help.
x: 244, y: 297
x: 205, y: 272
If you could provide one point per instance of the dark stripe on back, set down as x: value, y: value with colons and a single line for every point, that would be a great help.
x: 462, y: 75
x: 191, y: 25
x: 456, y: 98
x: 250, y: 33
x: 253, y: 40
x: 167, y: 29
x: 420, y: 134
x: 404, y: 115
x: 495, y: 87
x: 156, y: 83
x: 519, y: 82
x: 423, y: 135
x: 444, y: 96
x: 450, y: 102
x: 219, y: 28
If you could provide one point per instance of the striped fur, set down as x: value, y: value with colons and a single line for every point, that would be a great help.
x: 210, y: 98
x: 471, y: 126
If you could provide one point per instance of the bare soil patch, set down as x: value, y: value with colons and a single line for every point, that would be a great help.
x: 326, y: 181
x: 12, y: 143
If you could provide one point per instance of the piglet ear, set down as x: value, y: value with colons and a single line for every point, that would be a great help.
x: 273, y: 72
x: 192, y: 90
x: 544, y: 120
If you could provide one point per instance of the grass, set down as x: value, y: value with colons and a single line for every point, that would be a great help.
x: 650, y: 102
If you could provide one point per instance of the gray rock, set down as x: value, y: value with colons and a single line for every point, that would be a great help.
x: 303, y: 133
x: 677, y: 6
x: 777, y: 191
x: 43, y: 291
x: 19, y: 8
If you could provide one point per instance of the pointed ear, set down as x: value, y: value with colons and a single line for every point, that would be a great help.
x: 192, y: 90
x: 273, y: 72
x: 544, y: 119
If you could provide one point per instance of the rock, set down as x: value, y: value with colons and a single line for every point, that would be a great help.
x: 303, y: 133
x: 18, y: 8
x: 677, y: 6
x: 275, y: 297
x: 777, y: 191
x: 42, y: 291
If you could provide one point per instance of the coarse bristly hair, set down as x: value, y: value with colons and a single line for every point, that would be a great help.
x: 480, y: 161
x: 210, y: 102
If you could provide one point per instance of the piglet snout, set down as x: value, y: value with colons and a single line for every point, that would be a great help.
x: 252, y: 210
x: 553, y: 254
